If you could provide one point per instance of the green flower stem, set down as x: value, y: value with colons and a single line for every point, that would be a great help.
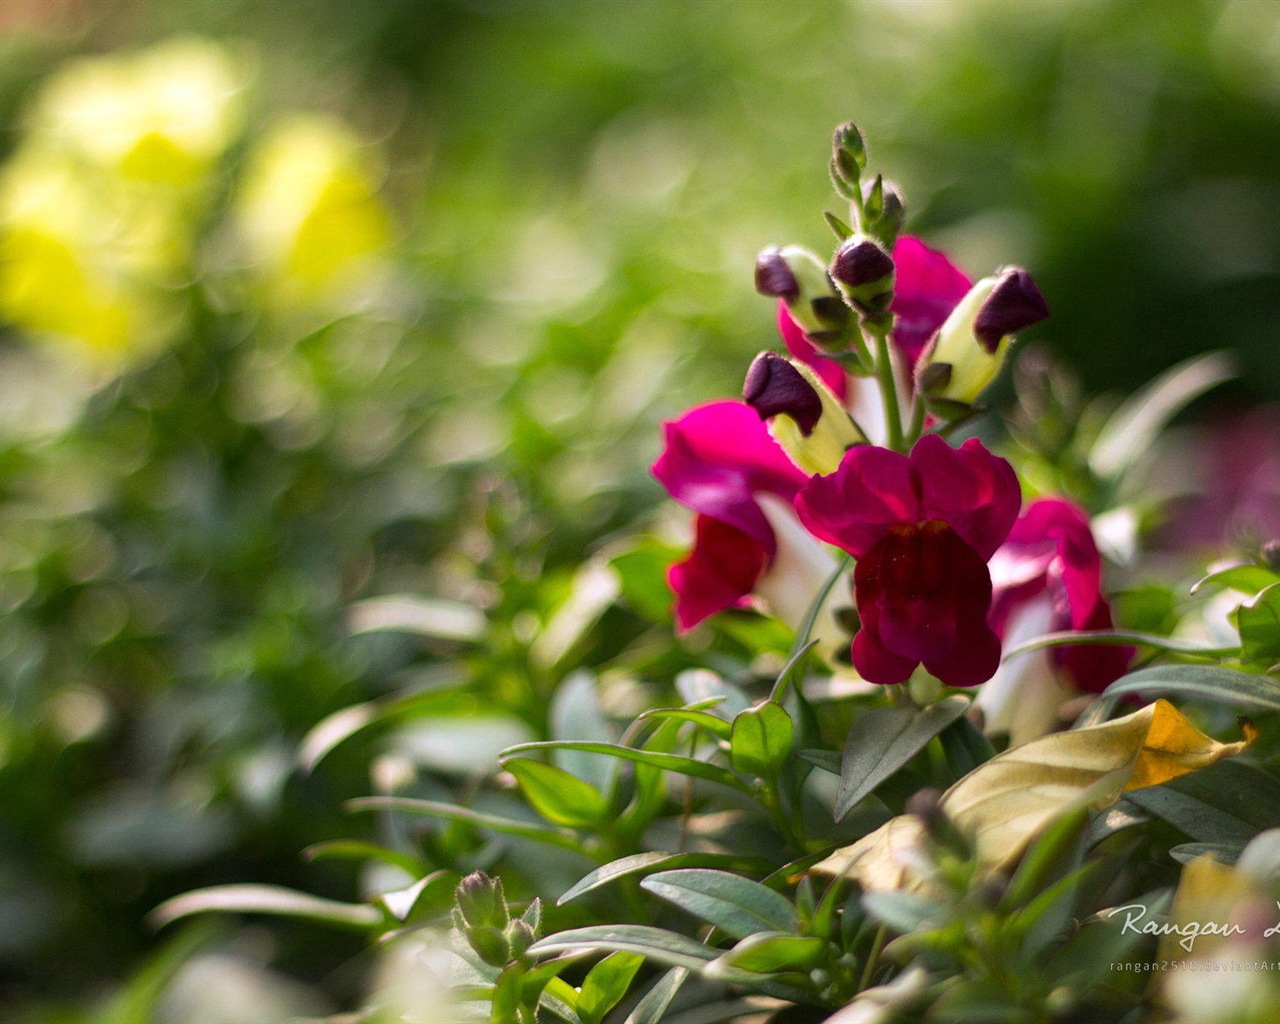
x: 917, y: 422
x: 888, y: 389
x: 869, y: 971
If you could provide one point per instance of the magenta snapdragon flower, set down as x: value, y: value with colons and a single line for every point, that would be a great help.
x: 922, y: 528
x: 1050, y: 556
x: 720, y: 461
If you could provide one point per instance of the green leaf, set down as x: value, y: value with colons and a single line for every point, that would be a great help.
x: 714, y: 724
x: 340, y: 726
x: 1222, y: 685
x: 264, y: 899
x: 655, y: 759
x: 737, y: 906
x: 652, y: 1008
x: 761, y: 739
x: 882, y: 740
x: 656, y: 944
x: 576, y: 715
x: 451, y: 812
x: 1130, y: 431
x: 965, y: 747
x: 699, y: 685
x: 424, y: 616
x: 648, y: 862
x: 1247, y: 579
x: 827, y: 760
x: 1116, y: 638
x: 605, y: 985
x: 403, y: 903
x: 1258, y: 621
x: 771, y: 953
x: 355, y: 849
x: 561, y: 798
x: 1185, y: 853
x: 1228, y: 802
x: 904, y: 912
x: 1053, y: 854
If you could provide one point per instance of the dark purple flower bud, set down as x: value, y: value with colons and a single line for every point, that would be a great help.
x: 773, y: 386
x: 1014, y: 304
x: 775, y: 277
x: 860, y: 262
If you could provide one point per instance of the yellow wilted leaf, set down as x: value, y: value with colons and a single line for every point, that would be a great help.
x: 1003, y: 804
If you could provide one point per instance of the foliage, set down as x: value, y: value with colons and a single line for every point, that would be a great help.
x: 324, y: 422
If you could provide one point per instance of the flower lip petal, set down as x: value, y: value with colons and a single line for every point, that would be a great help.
x: 720, y: 572
x: 977, y: 493
x: 774, y: 387
x: 873, y: 490
x: 717, y: 456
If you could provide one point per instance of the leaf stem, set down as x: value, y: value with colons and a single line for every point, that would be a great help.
x: 869, y: 970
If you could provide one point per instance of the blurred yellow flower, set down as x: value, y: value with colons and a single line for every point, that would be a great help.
x: 163, y: 115
x: 99, y: 204
x: 309, y: 209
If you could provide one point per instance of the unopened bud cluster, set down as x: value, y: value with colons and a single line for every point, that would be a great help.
x: 482, y: 918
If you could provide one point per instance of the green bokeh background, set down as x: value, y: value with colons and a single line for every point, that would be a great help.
x: 580, y: 191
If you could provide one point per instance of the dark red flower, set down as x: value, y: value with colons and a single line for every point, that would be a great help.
x: 922, y: 528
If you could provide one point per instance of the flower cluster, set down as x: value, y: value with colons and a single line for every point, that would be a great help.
x: 843, y: 443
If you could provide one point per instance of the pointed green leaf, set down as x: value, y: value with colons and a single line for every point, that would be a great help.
x: 451, y: 812
x: 761, y: 739
x: 652, y: 1008
x: 655, y: 759
x: 1130, y: 431
x: 605, y: 985
x: 561, y: 798
x: 264, y: 899
x: 651, y: 861
x: 1222, y: 685
x: 771, y: 953
x: 656, y: 944
x: 1258, y: 621
x: 1247, y: 579
x: 737, y: 906
x: 882, y: 740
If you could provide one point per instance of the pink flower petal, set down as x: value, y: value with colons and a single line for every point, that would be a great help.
x: 720, y: 572
x: 1051, y: 548
x: 829, y: 371
x: 928, y: 287
x: 871, y: 491
x: 717, y: 457
x: 975, y: 492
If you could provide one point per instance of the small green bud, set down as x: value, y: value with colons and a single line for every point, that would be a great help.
x: 890, y: 210
x: 849, y: 152
x: 481, y: 901
x: 519, y: 937
x: 490, y: 946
